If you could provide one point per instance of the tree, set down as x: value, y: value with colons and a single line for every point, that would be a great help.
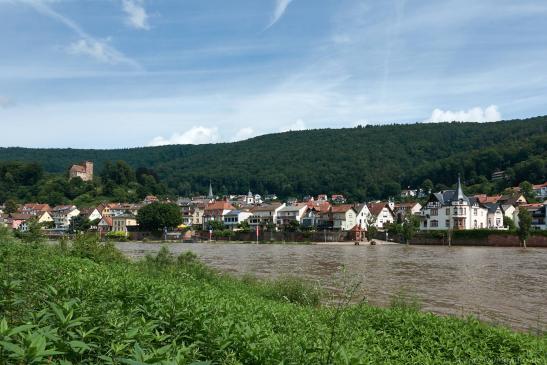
x: 216, y: 225
x: 156, y: 216
x: 79, y: 224
x: 34, y: 232
x: 411, y: 224
x: 427, y: 186
x: 527, y: 190
x: 371, y: 227
x: 509, y: 223
x: 11, y: 206
x: 525, y: 224
x: 244, y: 226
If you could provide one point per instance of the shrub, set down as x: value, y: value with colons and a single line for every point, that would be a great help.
x: 89, y: 246
x: 293, y: 290
x: 116, y: 236
x: 405, y: 301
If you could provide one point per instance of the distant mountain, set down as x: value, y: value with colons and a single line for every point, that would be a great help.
x: 362, y: 162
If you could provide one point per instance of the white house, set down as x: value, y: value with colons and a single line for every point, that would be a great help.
x: 452, y: 209
x: 403, y: 209
x: 291, y: 213
x: 262, y: 215
x: 494, y: 216
x: 381, y: 213
x: 63, y: 214
x: 234, y: 217
x: 344, y: 217
x: 540, y: 190
x: 362, y: 215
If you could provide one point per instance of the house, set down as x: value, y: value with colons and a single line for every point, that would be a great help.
x: 234, y: 217
x: 123, y: 209
x: 494, y: 216
x: 405, y: 209
x: 264, y: 215
x: 409, y: 193
x: 452, y: 209
x: 363, y: 213
x: 34, y: 209
x: 317, y: 215
x: 322, y: 198
x: 105, y: 225
x: 215, y: 211
x: 149, y: 199
x: 63, y: 214
x: 485, y: 199
x: 537, y: 211
x: 19, y: 221
x: 540, y: 190
x: 514, y: 198
x: 290, y: 213
x: 192, y: 213
x: 270, y: 197
x: 84, y: 171
x: 338, y: 199
x: 91, y: 214
x: 382, y: 214
x: 124, y: 223
x: 344, y: 217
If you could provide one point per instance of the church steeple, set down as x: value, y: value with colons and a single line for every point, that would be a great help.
x: 210, y: 195
x: 459, y: 191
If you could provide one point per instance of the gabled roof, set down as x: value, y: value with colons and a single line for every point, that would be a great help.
x: 492, y: 207
x: 20, y: 217
x: 219, y: 205
x: 107, y: 220
x: 483, y: 198
x: 266, y: 207
x: 294, y: 207
x: 376, y: 208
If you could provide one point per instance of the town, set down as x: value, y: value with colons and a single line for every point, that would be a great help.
x: 212, y: 216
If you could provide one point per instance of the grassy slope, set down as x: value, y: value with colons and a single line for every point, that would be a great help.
x: 184, y: 313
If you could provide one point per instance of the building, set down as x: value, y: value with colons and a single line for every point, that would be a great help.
x: 495, y: 214
x: 290, y: 213
x: 338, y: 199
x: 62, y: 215
x: 381, y: 213
x: 540, y: 191
x: 105, y: 225
x: 344, y: 217
x: 363, y: 214
x: 215, y: 211
x: 124, y: 223
x: 405, y: 209
x: 234, y: 217
x: 84, y: 171
x: 149, y: 199
x: 91, y: 214
x: 452, y: 209
x: 537, y: 211
x: 265, y: 215
x: 409, y: 193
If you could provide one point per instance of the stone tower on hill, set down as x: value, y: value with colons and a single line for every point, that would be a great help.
x: 83, y: 171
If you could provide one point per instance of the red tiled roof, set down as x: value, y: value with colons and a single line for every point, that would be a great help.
x: 539, y: 186
x: 220, y: 205
x: 341, y: 208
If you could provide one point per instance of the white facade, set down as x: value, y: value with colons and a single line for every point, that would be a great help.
x: 343, y: 219
x: 291, y: 213
x: 234, y: 217
x: 265, y: 214
x: 362, y: 215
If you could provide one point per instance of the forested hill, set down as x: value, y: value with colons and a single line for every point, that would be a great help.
x: 362, y: 162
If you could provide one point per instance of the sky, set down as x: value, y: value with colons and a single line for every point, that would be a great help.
x: 128, y: 73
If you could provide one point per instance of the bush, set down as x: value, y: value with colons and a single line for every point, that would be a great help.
x: 90, y: 247
x: 116, y: 236
x: 292, y: 290
x: 405, y: 301
x: 478, y: 233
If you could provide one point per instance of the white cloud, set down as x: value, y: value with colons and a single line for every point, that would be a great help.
x: 244, y: 133
x: 477, y: 114
x: 98, y: 50
x: 280, y: 8
x: 136, y: 14
x: 195, y: 135
x: 87, y: 44
x: 5, y: 102
x: 296, y: 126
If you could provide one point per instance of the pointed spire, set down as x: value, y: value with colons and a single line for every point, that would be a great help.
x: 210, y: 196
x: 459, y: 191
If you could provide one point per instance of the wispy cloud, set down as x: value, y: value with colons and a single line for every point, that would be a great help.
x: 87, y: 45
x: 136, y: 14
x: 477, y: 114
x: 195, y: 135
x: 280, y: 8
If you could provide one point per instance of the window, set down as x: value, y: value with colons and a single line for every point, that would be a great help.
x: 498, y: 222
x: 434, y: 211
x: 425, y: 224
x: 475, y: 224
x: 447, y: 223
x: 475, y: 210
x: 434, y: 223
x: 447, y: 211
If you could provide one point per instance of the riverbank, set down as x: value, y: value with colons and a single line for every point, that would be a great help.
x: 87, y: 304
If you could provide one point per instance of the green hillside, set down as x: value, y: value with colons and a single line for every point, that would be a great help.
x: 362, y: 162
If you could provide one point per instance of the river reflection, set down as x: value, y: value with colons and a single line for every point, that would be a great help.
x: 499, y: 285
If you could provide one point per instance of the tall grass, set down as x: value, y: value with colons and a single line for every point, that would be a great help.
x: 80, y: 306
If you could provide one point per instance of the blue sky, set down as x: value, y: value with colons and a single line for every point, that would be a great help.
x: 123, y: 73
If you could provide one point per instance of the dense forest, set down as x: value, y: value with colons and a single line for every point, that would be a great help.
x: 363, y: 163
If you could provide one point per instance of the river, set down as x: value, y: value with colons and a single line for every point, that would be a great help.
x: 499, y: 285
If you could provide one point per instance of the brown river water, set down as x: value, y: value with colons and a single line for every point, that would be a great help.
x: 505, y: 286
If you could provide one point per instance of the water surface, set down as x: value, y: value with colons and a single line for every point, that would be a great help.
x: 498, y: 285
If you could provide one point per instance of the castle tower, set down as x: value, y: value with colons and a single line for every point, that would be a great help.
x: 89, y: 170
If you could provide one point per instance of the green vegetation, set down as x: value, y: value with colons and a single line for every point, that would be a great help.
x: 362, y: 163
x: 85, y: 304
x: 525, y: 224
x: 157, y: 216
